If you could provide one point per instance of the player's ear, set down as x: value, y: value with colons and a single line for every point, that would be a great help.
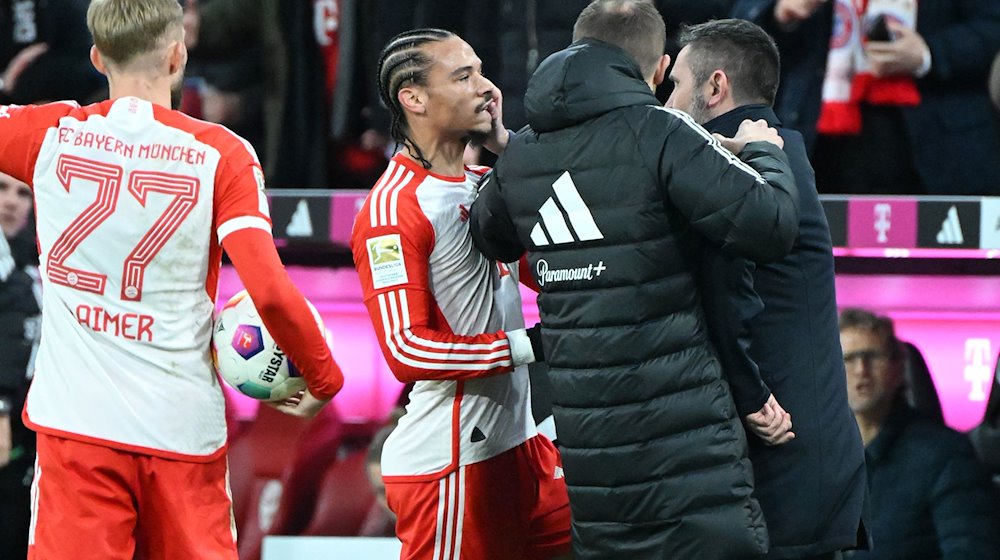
x: 718, y: 88
x: 97, y: 60
x: 660, y: 73
x: 412, y: 99
x: 177, y: 57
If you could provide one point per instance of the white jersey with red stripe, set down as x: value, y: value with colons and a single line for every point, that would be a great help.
x: 447, y: 318
x: 132, y: 201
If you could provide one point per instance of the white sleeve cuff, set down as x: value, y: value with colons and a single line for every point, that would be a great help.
x: 242, y: 222
x: 520, y: 347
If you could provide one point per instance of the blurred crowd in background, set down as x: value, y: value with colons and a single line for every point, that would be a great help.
x: 297, y: 79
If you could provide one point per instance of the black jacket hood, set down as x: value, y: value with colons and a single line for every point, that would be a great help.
x: 583, y: 81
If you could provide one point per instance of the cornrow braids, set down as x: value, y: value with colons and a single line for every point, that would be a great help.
x: 403, y: 62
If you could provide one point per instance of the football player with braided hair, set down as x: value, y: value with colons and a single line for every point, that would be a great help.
x: 466, y: 472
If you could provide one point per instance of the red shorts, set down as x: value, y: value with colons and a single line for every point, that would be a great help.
x: 510, y: 507
x: 93, y: 502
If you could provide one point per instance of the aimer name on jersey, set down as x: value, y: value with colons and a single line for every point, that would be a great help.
x: 132, y: 326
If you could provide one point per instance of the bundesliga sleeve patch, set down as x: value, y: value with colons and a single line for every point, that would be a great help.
x: 385, y: 256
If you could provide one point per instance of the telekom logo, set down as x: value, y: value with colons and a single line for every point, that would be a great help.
x: 883, y: 221
x: 978, y: 361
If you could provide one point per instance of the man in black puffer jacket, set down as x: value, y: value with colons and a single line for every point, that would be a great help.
x: 609, y: 194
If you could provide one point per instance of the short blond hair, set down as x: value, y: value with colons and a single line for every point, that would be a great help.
x: 125, y: 29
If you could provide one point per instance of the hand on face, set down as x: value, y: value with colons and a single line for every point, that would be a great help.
x: 496, y: 142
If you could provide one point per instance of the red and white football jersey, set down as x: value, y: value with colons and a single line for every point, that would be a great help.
x: 132, y: 201
x: 447, y: 318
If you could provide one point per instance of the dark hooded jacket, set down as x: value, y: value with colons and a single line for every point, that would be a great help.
x: 610, y: 193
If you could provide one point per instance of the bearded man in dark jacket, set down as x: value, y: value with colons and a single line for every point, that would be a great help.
x: 610, y: 194
x: 780, y: 317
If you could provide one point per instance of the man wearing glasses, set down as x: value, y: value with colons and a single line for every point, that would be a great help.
x: 929, y: 496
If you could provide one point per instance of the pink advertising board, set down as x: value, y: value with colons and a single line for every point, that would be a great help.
x: 370, y: 390
x: 953, y: 320
x: 882, y: 222
x: 343, y: 207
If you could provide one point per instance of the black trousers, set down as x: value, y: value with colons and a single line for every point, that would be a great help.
x: 15, y: 507
x: 879, y: 160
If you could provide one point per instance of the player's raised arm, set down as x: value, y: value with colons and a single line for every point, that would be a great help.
x: 22, y: 130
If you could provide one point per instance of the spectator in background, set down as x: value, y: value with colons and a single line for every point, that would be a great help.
x: 811, y: 489
x: 227, y: 86
x: 308, y: 51
x: 930, y: 498
x: 381, y: 521
x: 985, y: 437
x: 44, y: 47
x: 19, y: 322
x: 915, y: 118
x: 524, y: 33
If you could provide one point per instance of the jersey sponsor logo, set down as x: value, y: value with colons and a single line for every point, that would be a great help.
x: 477, y: 435
x: 553, y: 229
x: 545, y: 275
x: 385, y: 257
x: 463, y: 213
x: 951, y: 229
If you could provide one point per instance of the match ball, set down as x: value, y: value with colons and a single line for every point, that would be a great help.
x: 247, y: 358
